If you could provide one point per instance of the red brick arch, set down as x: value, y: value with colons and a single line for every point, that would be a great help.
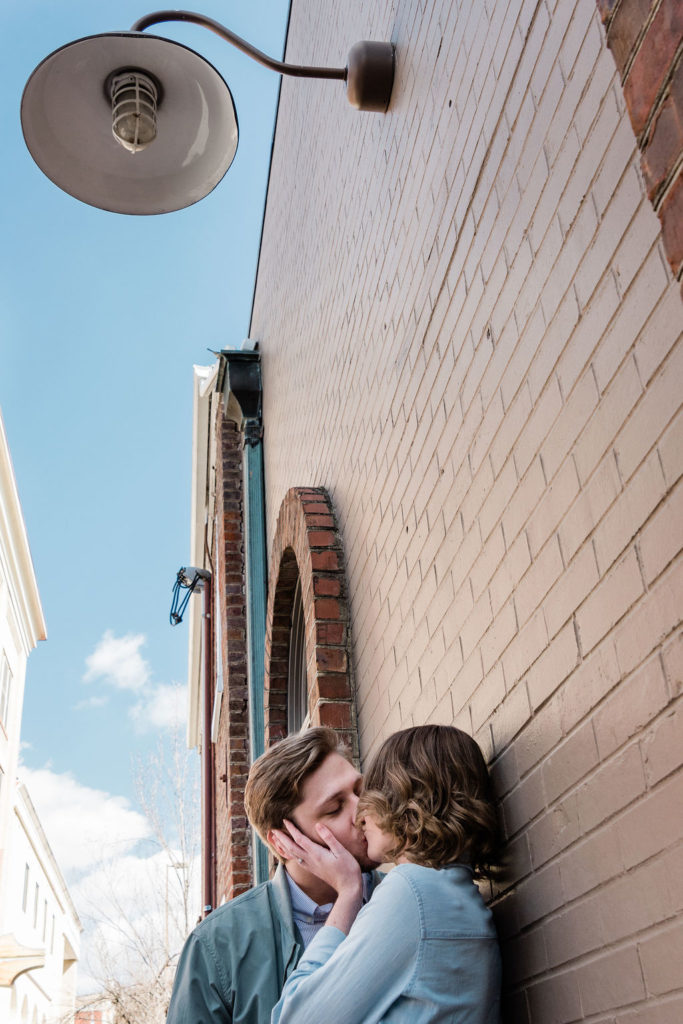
x: 307, y: 544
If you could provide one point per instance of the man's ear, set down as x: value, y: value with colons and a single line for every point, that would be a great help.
x: 275, y: 845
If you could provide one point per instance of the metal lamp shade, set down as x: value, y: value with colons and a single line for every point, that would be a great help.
x: 67, y: 124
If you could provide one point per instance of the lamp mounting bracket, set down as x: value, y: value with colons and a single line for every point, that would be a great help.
x: 369, y: 73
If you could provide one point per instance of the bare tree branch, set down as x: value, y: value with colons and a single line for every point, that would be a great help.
x: 139, y: 910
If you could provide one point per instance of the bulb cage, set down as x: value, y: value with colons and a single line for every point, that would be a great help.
x: 134, y: 99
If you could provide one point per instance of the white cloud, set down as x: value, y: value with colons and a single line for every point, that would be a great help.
x: 84, y: 826
x: 92, y: 702
x: 117, y: 660
x: 129, y: 899
x: 136, y: 889
x: 134, y: 915
x: 164, y: 707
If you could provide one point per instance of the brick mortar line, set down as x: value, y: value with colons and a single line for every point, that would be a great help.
x: 502, y: 894
x: 651, y: 1001
x: 578, y: 960
x: 638, y: 42
x: 659, y: 99
x: 548, y: 326
x: 610, y: 17
x: 663, y: 367
x: 482, y: 168
x: 568, y: 971
x: 671, y: 708
x: 593, y: 774
x: 624, y: 679
x: 666, y: 187
x: 633, y: 539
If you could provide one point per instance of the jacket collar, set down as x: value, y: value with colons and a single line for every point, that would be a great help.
x: 291, y: 944
x: 283, y: 902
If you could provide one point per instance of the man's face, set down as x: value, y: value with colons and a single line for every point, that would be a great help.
x: 330, y: 795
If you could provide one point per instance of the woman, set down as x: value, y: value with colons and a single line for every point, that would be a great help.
x: 425, y: 948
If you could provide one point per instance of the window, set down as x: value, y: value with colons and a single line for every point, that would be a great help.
x: 5, y: 685
x: 297, y: 681
x: 44, y: 920
x: 35, y: 906
x: 52, y: 936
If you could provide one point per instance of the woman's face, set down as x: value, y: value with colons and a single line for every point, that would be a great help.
x: 379, y: 842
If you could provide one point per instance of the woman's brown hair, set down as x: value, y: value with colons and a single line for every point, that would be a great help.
x: 429, y: 787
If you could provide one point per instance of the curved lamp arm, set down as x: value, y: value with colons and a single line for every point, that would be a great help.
x: 295, y: 70
x: 74, y: 152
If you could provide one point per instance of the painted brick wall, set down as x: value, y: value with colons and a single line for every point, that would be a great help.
x: 470, y: 336
x: 231, y: 751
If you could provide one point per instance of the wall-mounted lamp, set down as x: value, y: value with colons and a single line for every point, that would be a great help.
x: 134, y: 123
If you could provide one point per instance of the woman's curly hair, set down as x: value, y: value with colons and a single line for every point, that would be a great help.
x: 430, y: 789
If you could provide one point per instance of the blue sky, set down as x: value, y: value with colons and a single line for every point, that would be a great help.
x: 101, y: 319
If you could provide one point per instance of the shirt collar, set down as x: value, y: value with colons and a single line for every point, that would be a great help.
x: 306, y: 907
x: 303, y: 904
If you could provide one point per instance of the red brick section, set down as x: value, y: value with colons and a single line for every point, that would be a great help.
x: 233, y: 839
x: 646, y: 39
x: 307, y: 543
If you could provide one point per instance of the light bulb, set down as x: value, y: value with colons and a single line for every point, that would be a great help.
x: 134, y: 97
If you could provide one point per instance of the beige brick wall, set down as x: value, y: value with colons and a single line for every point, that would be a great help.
x: 471, y: 337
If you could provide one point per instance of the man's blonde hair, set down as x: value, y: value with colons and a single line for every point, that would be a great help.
x: 273, y: 789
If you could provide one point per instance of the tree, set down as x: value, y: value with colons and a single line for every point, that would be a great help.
x: 139, y: 907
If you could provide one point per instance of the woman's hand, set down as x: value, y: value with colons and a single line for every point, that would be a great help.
x: 332, y: 862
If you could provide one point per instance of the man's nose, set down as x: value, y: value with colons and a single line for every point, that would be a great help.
x: 354, y: 806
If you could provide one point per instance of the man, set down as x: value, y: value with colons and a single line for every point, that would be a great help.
x: 235, y: 963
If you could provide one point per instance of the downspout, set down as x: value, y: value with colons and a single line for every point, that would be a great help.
x: 255, y: 545
x: 242, y: 398
x: 208, y: 815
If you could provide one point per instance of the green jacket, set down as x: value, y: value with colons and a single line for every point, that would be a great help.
x: 235, y: 963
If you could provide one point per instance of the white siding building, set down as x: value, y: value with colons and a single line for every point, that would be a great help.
x: 40, y: 922
x: 39, y: 928
x: 21, y: 627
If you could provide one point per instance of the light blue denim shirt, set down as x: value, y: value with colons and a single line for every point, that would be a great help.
x: 424, y: 950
